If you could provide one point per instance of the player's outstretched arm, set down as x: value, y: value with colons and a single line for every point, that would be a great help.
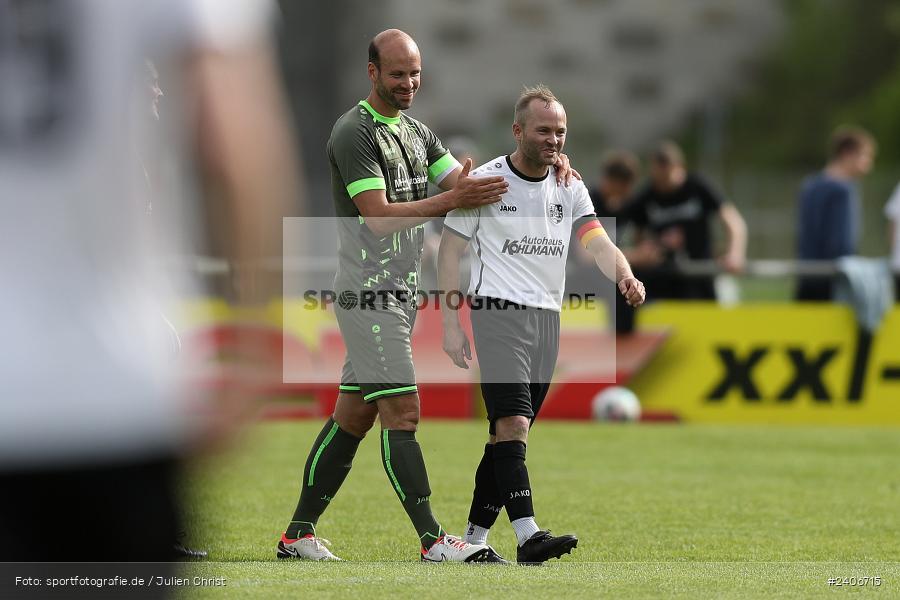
x: 456, y: 344
x: 384, y: 218
x: 614, y: 265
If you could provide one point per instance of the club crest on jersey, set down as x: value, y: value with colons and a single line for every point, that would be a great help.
x: 419, y: 150
x: 555, y: 212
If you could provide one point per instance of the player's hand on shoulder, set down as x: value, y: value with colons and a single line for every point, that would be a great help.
x: 472, y: 192
x: 564, y: 170
x: 633, y: 291
x: 457, y: 347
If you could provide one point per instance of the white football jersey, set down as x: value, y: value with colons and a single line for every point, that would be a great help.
x: 520, y: 244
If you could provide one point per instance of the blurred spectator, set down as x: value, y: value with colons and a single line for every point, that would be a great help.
x: 828, y: 214
x: 94, y: 417
x: 619, y: 170
x: 892, y: 212
x: 673, y: 212
x: 618, y: 174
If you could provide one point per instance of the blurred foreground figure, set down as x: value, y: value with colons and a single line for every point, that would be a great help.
x: 154, y: 93
x: 828, y: 211
x: 94, y: 417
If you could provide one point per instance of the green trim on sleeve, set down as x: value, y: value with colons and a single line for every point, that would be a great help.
x: 363, y: 185
x: 377, y: 115
x: 440, y: 165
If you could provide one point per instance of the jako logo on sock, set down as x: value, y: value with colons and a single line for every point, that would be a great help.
x: 520, y: 494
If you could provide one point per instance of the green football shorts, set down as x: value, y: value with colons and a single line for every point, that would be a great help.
x: 379, y: 350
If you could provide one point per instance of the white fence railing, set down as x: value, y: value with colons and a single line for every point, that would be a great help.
x: 210, y: 266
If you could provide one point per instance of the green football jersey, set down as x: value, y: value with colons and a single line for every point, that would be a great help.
x: 399, y: 155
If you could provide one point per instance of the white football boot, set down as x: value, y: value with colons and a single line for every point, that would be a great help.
x: 308, y: 547
x: 450, y: 548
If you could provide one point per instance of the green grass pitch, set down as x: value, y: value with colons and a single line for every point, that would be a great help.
x: 660, y: 511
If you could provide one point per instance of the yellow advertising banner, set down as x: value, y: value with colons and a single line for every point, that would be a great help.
x: 771, y: 363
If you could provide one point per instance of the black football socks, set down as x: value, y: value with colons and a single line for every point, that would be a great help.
x: 487, y: 500
x: 512, y: 478
x: 512, y: 481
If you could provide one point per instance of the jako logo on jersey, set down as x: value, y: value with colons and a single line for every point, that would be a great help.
x: 505, y: 208
x: 541, y: 246
x: 555, y: 212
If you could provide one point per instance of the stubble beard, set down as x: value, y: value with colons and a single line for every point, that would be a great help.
x: 386, y: 95
x: 534, y: 154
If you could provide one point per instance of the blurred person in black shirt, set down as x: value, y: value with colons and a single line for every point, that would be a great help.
x: 675, y: 211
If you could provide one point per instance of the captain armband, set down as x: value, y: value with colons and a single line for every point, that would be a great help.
x: 589, y: 231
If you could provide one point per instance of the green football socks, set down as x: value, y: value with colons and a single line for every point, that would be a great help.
x: 405, y: 468
x: 326, y: 468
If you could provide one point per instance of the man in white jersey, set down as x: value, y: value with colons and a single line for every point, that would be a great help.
x: 93, y: 418
x: 518, y: 277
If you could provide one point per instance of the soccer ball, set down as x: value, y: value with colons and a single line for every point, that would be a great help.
x: 616, y: 404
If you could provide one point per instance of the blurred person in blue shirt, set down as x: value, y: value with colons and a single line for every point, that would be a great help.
x: 828, y: 212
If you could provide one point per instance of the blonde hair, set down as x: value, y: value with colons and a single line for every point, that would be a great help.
x: 538, y: 92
